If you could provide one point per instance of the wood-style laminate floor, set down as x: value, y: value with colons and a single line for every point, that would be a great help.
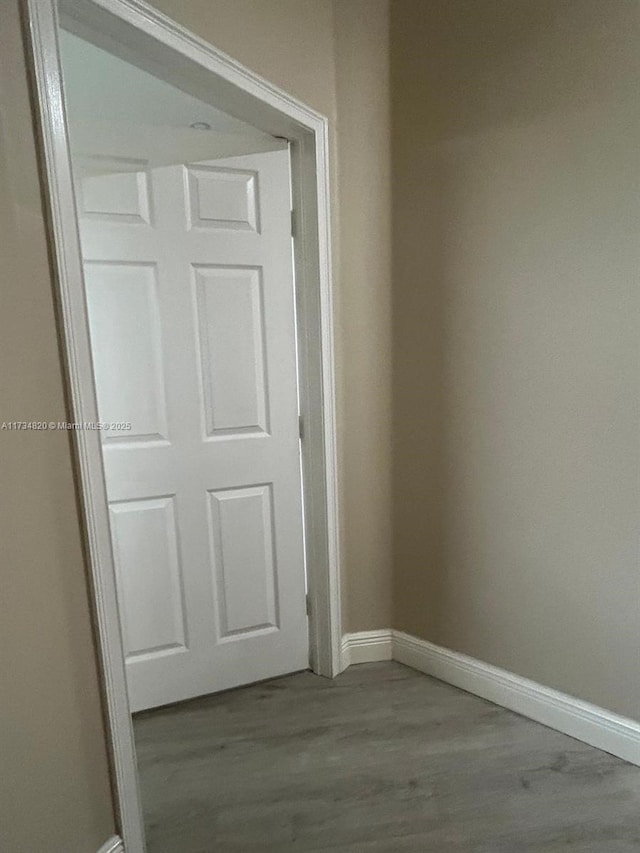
x: 381, y: 759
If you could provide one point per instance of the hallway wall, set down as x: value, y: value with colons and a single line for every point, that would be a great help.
x: 517, y: 336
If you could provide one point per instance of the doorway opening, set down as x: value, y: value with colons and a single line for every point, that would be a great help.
x: 173, y: 173
x: 184, y: 217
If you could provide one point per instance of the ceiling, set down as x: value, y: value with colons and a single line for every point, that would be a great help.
x: 100, y: 86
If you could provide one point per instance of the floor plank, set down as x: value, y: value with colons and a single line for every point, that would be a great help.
x: 381, y: 759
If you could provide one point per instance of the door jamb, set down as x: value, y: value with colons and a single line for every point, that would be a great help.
x: 137, y: 32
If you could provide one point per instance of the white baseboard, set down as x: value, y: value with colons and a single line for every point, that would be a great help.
x: 366, y: 647
x: 596, y: 726
x: 113, y: 845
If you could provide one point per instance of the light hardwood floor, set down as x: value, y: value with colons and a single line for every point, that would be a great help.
x: 381, y: 759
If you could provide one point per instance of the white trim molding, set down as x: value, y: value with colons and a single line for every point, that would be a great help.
x: 112, y: 845
x: 588, y: 723
x: 366, y: 647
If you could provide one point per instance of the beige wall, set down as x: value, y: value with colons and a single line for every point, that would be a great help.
x: 334, y: 57
x: 517, y: 336
x: 54, y: 784
x: 364, y: 276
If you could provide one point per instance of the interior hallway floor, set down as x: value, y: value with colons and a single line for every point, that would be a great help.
x: 381, y: 759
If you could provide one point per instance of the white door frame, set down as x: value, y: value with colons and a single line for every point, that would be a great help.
x: 138, y: 33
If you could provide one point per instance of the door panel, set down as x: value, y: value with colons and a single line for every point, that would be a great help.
x: 119, y: 192
x: 242, y: 540
x: 231, y: 320
x: 222, y: 198
x: 191, y: 309
x: 149, y: 575
x: 124, y: 317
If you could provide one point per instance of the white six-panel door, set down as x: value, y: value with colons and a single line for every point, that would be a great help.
x: 190, y: 295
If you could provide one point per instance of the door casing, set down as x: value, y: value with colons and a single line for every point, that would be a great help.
x: 143, y: 36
